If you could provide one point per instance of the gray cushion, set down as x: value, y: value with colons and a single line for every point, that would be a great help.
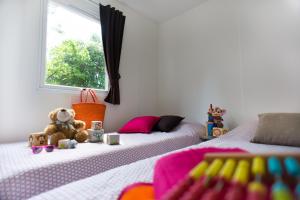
x: 279, y: 129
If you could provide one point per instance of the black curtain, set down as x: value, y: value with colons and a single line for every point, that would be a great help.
x: 112, y: 25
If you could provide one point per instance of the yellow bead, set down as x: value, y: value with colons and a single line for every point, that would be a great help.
x: 214, y: 168
x: 258, y: 166
x: 227, y: 170
x: 257, y: 187
x: 241, y: 174
x: 199, y: 170
x: 282, y: 195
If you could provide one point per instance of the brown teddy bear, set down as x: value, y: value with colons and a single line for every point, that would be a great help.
x: 64, y: 126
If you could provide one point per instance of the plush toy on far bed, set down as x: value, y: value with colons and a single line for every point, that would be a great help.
x: 64, y: 126
x: 215, y: 121
x: 217, y: 117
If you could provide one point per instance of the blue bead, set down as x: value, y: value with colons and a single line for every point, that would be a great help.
x: 274, y: 166
x: 279, y: 186
x: 297, y: 190
x: 292, y: 166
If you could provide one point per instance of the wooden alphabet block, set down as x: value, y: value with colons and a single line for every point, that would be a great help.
x: 37, y: 139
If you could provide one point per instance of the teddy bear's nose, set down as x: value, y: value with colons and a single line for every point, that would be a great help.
x: 63, y: 110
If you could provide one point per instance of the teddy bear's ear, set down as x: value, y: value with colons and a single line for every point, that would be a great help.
x: 53, y: 115
x: 73, y: 112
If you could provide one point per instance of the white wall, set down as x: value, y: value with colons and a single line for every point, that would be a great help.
x: 239, y: 54
x: 24, y: 109
x: 243, y: 55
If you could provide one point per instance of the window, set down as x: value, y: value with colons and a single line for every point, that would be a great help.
x: 73, y: 51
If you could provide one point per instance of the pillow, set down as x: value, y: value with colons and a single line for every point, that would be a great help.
x: 279, y: 129
x: 142, y: 124
x: 168, y: 123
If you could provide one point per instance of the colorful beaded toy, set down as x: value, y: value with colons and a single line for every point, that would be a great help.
x: 241, y: 177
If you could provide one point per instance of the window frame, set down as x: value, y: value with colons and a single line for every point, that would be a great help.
x: 86, y: 8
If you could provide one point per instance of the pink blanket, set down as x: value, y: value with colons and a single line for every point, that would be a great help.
x: 172, y: 168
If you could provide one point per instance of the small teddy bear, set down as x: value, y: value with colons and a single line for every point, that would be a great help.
x: 64, y: 126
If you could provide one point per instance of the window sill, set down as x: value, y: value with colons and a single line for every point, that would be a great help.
x: 66, y: 89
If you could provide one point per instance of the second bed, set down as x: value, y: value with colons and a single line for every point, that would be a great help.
x: 108, y: 185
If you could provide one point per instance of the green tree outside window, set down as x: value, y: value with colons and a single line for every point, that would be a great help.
x: 78, y: 64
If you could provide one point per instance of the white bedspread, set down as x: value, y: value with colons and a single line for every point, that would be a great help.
x: 23, y: 174
x: 108, y: 185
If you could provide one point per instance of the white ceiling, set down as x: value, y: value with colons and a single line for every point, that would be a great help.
x: 161, y: 10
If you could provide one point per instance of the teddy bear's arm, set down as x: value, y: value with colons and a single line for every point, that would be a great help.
x: 78, y: 124
x: 50, y: 129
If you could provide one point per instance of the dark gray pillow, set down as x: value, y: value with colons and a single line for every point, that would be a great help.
x: 278, y: 129
x: 168, y: 123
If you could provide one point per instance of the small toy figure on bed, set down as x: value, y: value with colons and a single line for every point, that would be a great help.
x: 215, y: 127
x: 96, y: 132
x: 64, y: 126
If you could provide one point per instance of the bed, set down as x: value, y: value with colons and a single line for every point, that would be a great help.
x: 23, y: 174
x: 108, y: 185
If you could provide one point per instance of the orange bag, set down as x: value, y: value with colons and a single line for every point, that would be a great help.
x: 89, y: 111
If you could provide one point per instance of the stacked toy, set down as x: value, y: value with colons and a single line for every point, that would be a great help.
x: 96, y: 132
x: 241, y: 177
x: 215, y: 127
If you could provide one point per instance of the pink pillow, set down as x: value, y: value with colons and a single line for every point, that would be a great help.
x: 142, y: 124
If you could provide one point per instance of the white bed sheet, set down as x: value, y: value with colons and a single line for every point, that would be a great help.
x: 108, y: 185
x: 23, y: 174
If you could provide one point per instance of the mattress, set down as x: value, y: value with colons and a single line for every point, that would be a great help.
x: 108, y: 185
x: 23, y: 174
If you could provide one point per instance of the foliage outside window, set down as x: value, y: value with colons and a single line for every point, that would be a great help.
x: 74, y: 54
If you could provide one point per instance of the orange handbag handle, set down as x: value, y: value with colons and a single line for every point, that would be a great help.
x: 88, y: 91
